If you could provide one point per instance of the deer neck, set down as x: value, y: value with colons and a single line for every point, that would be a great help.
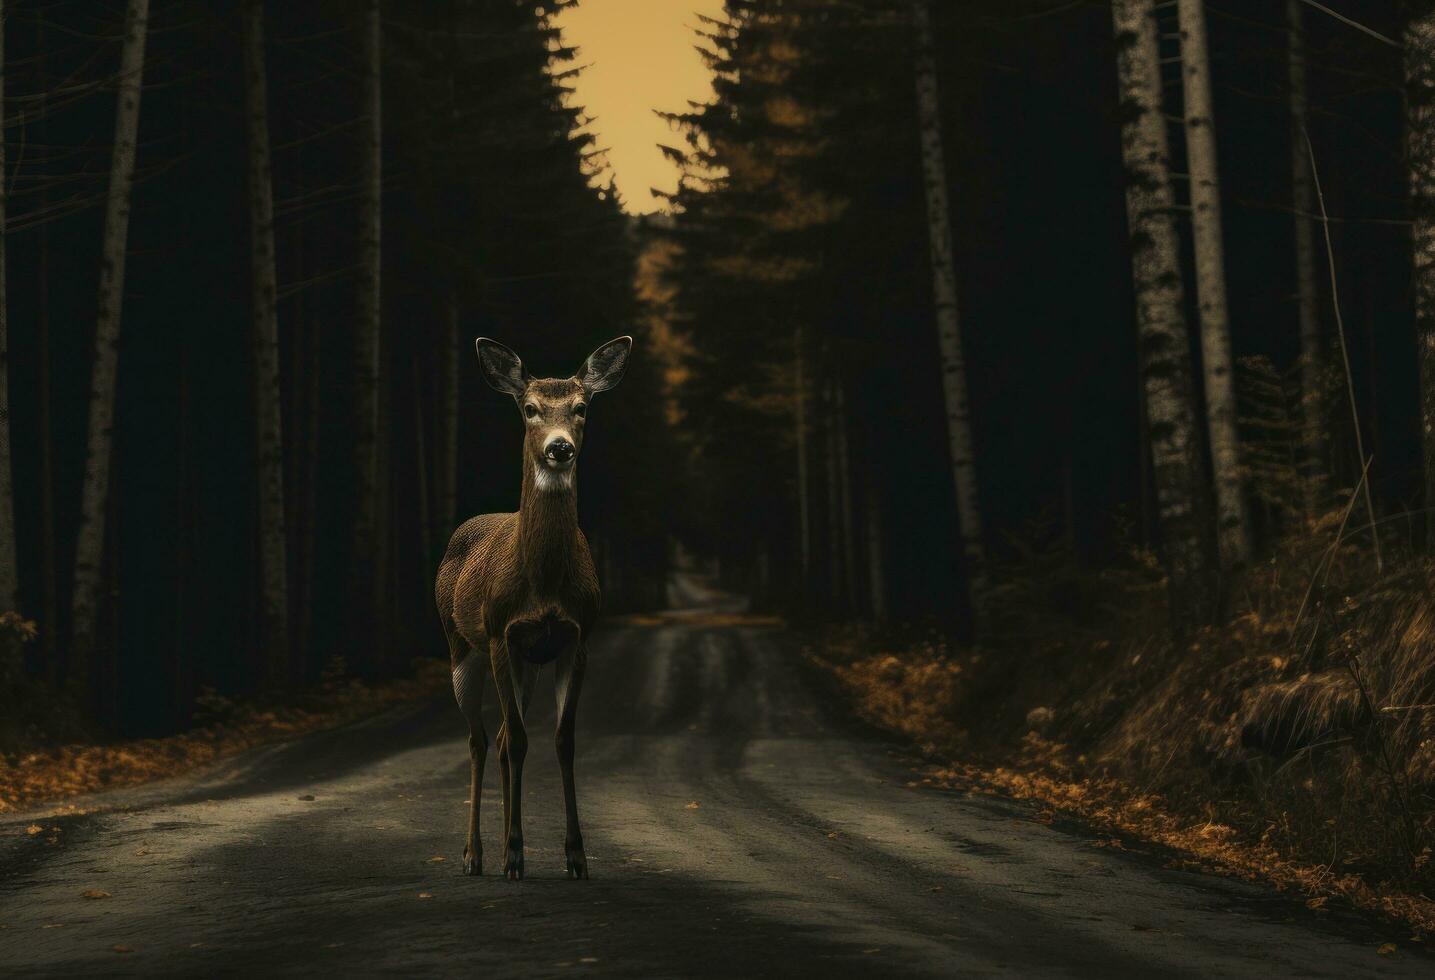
x: 548, y: 526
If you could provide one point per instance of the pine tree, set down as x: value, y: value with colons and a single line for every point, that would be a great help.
x: 1312, y: 338
x: 9, y: 564
x: 269, y: 452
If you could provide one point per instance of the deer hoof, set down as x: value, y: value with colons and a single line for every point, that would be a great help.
x: 576, y: 861
x: 513, y: 869
x: 472, y: 862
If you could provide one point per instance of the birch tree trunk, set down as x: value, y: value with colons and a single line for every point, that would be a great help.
x: 1420, y: 133
x: 1232, y: 518
x: 949, y: 328
x: 94, y: 494
x: 9, y: 571
x: 1312, y: 340
x: 1161, y: 324
x: 268, y: 425
x: 367, y: 326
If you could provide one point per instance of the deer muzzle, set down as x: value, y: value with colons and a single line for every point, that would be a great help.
x: 559, y: 450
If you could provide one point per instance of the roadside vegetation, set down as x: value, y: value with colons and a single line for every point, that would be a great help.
x: 1294, y: 743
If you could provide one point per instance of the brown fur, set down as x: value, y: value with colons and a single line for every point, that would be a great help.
x: 520, y: 590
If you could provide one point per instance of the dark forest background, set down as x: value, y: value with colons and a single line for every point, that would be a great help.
x: 1032, y: 124
x: 793, y: 271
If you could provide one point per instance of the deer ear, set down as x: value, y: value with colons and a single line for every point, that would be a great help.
x: 502, y: 368
x: 605, y: 366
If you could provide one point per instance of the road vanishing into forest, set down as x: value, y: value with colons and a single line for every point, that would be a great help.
x: 738, y: 824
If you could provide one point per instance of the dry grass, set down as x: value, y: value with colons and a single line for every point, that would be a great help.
x: 70, y: 770
x: 1295, y: 744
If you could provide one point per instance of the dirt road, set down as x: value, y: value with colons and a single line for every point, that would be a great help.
x: 737, y: 826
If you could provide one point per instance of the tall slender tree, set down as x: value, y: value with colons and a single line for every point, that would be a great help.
x: 944, y: 293
x: 1232, y: 519
x: 268, y: 424
x: 49, y: 584
x: 9, y: 574
x: 804, y: 487
x: 1420, y: 134
x: 1160, y: 318
x: 844, y: 476
x: 367, y: 324
x: 1312, y: 339
x: 95, y: 491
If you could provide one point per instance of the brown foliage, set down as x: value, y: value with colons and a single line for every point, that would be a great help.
x: 1295, y: 743
x: 70, y: 770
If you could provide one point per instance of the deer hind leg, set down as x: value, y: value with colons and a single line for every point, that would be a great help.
x: 468, y: 690
x: 568, y: 684
x: 514, y: 679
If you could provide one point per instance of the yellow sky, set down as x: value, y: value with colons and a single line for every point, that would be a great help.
x: 640, y: 56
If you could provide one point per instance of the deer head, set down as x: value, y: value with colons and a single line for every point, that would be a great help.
x: 554, y: 410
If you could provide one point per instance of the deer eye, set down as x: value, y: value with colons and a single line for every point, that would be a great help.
x: 530, y: 410
x: 580, y: 410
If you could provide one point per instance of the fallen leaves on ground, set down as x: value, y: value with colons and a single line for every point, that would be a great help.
x: 692, y: 806
x: 120, y: 948
x: 435, y: 859
x: 70, y: 770
x: 94, y: 893
x: 425, y: 894
x: 914, y: 698
x: 1386, y: 949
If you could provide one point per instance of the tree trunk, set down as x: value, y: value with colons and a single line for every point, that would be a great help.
x: 367, y: 326
x: 804, y: 506
x: 268, y: 424
x: 427, y: 566
x: 876, y: 569
x: 1420, y: 123
x: 9, y: 564
x: 835, y: 574
x: 1232, y: 518
x: 446, y: 450
x: 949, y: 332
x: 308, y: 496
x: 49, y: 577
x: 1312, y: 340
x: 1160, y: 320
x: 844, y: 475
x: 94, y: 494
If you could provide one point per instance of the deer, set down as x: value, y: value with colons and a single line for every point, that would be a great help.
x: 519, y: 590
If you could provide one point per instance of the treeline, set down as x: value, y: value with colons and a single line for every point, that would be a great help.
x: 249, y: 245
x: 966, y: 283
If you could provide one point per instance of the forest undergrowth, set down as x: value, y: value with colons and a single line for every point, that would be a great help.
x: 42, y: 764
x: 1295, y: 744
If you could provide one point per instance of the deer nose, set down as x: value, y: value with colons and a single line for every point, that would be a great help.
x: 559, y: 450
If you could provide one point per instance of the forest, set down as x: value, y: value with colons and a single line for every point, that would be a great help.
x: 1063, y: 371
x: 249, y: 468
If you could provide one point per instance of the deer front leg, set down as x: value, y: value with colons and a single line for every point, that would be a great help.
x: 515, y: 688
x: 569, y: 684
